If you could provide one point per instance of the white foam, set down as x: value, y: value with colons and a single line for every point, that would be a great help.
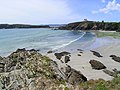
x: 63, y: 45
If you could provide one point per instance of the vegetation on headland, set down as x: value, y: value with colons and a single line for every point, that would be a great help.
x: 111, y: 34
x: 92, y: 25
x: 11, y: 26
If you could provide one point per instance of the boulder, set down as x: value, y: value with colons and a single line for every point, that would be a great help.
x: 50, y: 51
x: 97, y: 65
x: 115, y: 58
x: 79, y: 49
x: 79, y: 55
x: 113, y: 74
x: 96, y: 53
x: 59, y: 55
x: 75, y: 77
x: 65, y: 53
x: 67, y: 59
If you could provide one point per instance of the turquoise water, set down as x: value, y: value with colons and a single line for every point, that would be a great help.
x: 43, y: 39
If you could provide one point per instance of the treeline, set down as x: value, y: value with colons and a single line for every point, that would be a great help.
x: 92, y: 25
x: 10, y: 26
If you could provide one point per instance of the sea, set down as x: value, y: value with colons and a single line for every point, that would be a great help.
x: 46, y: 39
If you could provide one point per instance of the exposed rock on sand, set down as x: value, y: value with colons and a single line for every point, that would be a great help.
x: 50, y: 51
x: 97, y: 65
x: 115, y: 58
x: 59, y: 55
x: 67, y: 59
x: 79, y: 55
x: 79, y: 49
x: 74, y: 76
x: 111, y: 73
x: 96, y: 53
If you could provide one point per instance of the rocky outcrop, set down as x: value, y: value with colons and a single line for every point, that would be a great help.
x: 115, y: 58
x: 73, y: 76
x: 29, y: 70
x: 97, y: 65
x: 96, y: 53
x: 92, y: 25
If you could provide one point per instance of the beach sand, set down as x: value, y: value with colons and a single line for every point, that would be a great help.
x: 81, y: 63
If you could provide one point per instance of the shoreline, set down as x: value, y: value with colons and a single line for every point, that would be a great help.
x: 81, y: 63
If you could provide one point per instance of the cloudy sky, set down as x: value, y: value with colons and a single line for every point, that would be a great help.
x: 58, y: 11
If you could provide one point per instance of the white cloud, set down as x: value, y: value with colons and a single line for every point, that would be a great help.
x: 35, y: 11
x: 111, y: 6
x: 103, y: 1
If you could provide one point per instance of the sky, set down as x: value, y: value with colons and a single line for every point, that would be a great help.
x: 58, y: 11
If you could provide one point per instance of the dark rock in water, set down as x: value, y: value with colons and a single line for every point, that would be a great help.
x: 59, y: 55
x: 115, y: 58
x: 33, y: 50
x: 50, y: 52
x: 67, y: 59
x: 96, y: 53
x: 97, y: 65
x: 18, y: 50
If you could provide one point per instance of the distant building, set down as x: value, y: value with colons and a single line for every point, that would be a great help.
x: 85, y: 20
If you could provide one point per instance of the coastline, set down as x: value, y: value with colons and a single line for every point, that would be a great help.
x: 81, y: 63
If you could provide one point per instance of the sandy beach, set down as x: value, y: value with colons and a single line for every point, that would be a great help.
x: 81, y: 63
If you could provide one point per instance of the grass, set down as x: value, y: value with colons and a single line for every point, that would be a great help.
x: 101, y: 84
x: 112, y: 34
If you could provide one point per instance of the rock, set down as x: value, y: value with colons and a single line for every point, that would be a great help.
x: 59, y: 55
x: 50, y: 52
x: 75, y: 77
x: 96, y: 53
x: 65, y: 53
x: 67, y: 59
x: 79, y: 55
x: 115, y: 58
x: 33, y: 50
x: 97, y: 65
x: 113, y: 74
x: 80, y: 52
x: 2, y: 66
x: 1, y: 58
x: 79, y: 49
x: 67, y: 69
x: 22, y: 50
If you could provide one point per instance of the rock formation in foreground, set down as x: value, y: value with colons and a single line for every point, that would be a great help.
x: 29, y: 70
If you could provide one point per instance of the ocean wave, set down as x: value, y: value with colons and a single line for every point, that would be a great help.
x: 63, y: 45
